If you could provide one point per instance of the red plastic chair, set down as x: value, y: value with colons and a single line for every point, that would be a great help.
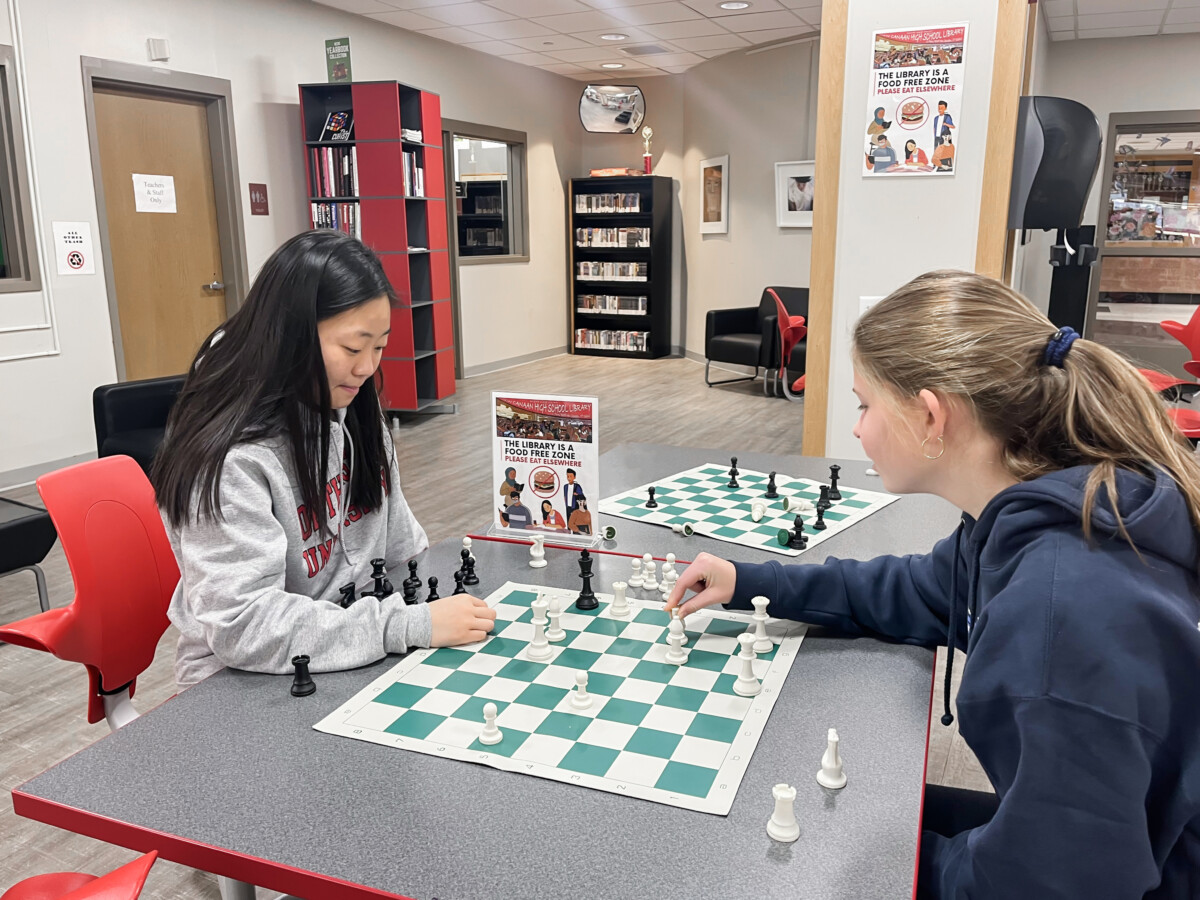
x: 1188, y: 423
x: 124, y: 572
x: 1188, y: 335
x: 791, y: 332
x: 125, y: 883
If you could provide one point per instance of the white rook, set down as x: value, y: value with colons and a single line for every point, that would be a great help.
x: 782, y: 825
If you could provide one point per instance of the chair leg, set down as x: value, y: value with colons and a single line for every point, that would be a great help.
x: 43, y: 594
x: 118, y: 710
x: 768, y: 386
x: 235, y: 890
x: 708, y: 362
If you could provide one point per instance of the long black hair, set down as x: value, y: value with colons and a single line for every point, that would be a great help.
x: 261, y: 374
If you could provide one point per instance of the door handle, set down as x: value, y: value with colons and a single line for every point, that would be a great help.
x: 213, y: 286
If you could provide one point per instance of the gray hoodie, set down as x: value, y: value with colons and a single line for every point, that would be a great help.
x: 261, y: 586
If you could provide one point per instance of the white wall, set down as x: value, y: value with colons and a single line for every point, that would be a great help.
x: 1031, y: 260
x: 264, y: 48
x: 893, y: 229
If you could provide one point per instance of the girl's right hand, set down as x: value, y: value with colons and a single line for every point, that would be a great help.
x: 460, y: 619
x: 711, y: 578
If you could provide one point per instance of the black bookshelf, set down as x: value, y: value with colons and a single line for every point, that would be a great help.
x: 652, y: 288
x: 483, y: 229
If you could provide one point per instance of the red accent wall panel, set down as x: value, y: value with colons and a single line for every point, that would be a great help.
x: 380, y: 170
x: 399, y: 384
x: 431, y: 118
x: 376, y: 111
x: 395, y: 266
x: 435, y: 212
x: 445, y: 373
x: 439, y: 270
x: 435, y: 175
x: 383, y: 224
x: 400, y: 341
x: 443, y: 325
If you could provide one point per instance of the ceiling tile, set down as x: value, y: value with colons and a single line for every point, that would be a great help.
x: 712, y: 8
x: 770, y: 35
x: 417, y: 4
x: 453, y: 34
x: 617, y: 4
x: 590, y: 54
x: 405, y: 19
x: 1189, y: 28
x: 1183, y: 16
x: 810, y: 8
x: 694, y: 28
x: 1129, y: 31
x: 672, y: 59
x: 362, y: 7
x: 585, y: 21
x: 531, y: 59
x: 713, y: 42
x: 1062, y: 35
x: 1058, y: 7
x: 1120, y: 20
x: 530, y: 9
x: 495, y: 48
x: 655, y: 13
x: 564, y: 69
x: 1180, y: 4
x: 635, y: 36
x: 1090, y: 7
x: 513, y: 28
x: 675, y: 70
x: 546, y: 43
x: 712, y: 54
x: 465, y: 13
x: 1062, y: 23
x: 761, y: 21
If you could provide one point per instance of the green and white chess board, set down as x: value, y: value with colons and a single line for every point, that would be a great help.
x: 699, y: 497
x: 671, y: 734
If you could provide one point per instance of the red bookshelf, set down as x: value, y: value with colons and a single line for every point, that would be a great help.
x: 386, y: 186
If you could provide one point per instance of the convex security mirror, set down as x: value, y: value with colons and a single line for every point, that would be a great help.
x: 612, y: 108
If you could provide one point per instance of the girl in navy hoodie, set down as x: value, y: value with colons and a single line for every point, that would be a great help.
x: 1071, y: 585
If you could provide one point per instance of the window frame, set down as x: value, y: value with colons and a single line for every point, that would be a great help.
x: 518, y: 188
x: 20, y: 247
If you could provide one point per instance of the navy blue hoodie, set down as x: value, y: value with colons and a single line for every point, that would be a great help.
x: 1081, y: 690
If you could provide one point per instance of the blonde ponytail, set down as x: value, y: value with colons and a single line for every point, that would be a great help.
x: 974, y: 338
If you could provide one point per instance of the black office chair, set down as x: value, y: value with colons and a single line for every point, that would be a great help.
x: 749, y: 335
x: 131, y: 417
x: 26, y: 536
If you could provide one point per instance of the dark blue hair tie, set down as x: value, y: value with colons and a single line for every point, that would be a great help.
x: 1058, y: 345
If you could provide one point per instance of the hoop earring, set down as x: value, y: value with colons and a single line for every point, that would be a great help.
x: 941, y: 444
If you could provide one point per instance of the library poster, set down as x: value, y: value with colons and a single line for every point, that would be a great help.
x: 546, y: 471
x: 337, y: 59
x: 910, y: 124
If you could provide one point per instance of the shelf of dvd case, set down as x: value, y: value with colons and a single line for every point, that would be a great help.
x: 612, y: 339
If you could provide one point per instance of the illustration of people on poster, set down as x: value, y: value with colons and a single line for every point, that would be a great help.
x: 545, y: 465
x: 912, y: 115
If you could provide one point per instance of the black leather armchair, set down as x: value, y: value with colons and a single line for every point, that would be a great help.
x: 749, y: 335
x: 131, y: 417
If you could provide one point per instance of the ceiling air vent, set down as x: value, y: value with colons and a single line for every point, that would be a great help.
x: 646, y: 50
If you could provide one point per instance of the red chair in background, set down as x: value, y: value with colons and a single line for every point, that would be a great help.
x: 124, y: 572
x: 125, y: 883
x: 1188, y: 335
x: 791, y: 332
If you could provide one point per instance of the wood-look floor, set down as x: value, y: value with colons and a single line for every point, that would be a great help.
x: 42, y: 700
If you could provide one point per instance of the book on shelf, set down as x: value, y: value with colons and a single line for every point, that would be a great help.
x: 339, y: 126
x: 414, y: 175
x: 333, y: 171
x: 412, y: 134
x: 611, y: 271
x: 609, y: 339
x: 611, y: 304
x: 489, y: 205
x: 612, y: 237
x: 343, y: 217
x: 608, y: 203
x: 615, y: 170
x: 485, y: 237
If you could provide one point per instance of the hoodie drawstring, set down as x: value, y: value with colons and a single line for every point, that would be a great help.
x: 952, y: 631
x: 344, y: 499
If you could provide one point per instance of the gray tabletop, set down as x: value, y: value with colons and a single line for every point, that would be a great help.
x: 231, y: 770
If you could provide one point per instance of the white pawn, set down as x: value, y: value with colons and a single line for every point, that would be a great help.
x: 490, y: 734
x: 872, y: 472
x: 675, y: 638
x: 537, y: 552
x: 668, y: 584
x: 669, y: 564
x: 669, y: 575
x: 555, y: 633
x: 782, y: 826
x: 746, y: 684
x: 467, y: 546
x: 620, y: 605
x: 580, y: 698
x: 831, y: 774
x: 649, y: 579
x: 762, y: 643
x: 758, y: 509
x: 539, y: 648
x: 635, y: 580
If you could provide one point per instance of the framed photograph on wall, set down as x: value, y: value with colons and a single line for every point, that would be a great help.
x: 794, y: 194
x: 714, y: 195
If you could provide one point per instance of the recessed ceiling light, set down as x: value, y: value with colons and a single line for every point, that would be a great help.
x: 734, y: 4
x: 613, y: 37
x: 612, y: 65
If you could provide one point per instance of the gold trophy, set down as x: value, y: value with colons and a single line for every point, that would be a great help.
x: 647, y: 133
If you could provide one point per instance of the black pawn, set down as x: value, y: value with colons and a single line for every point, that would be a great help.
x: 433, y: 594
x: 799, y: 539
x: 834, y: 493
x: 772, y: 492
x: 302, y: 684
x: 733, y: 474
x: 587, y: 598
x: 820, y: 525
x: 651, y: 503
x: 469, y: 576
x: 823, y: 502
x: 458, y: 582
x: 410, y: 592
x: 347, y: 592
x: 412, y: 580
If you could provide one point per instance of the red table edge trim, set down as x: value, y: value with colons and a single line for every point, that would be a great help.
x: 194, y: 854
x: 924, y: 775
x: 575, y: 547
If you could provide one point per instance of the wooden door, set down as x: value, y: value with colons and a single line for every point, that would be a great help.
x: 164, y: 264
